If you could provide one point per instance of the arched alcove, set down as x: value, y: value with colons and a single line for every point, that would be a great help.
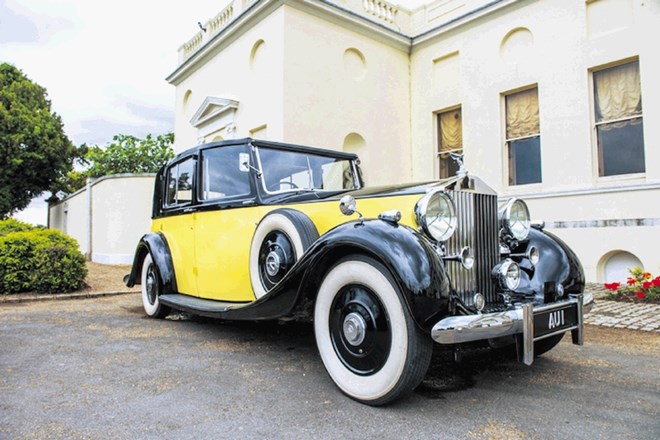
x: 614, y: 266
x: 186, y: 101
x: 355, y: 64
x: 257, y: 54
x: 516, y: 44
x: 354, y: 143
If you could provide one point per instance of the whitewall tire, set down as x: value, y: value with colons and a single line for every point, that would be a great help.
x: 280, y: 240
x: 151, y: 287
x: 369, y: 343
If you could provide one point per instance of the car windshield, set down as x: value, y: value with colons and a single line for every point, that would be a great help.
x: 298, y: 171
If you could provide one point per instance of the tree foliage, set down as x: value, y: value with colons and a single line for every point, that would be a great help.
x: 129, y: 154
x: 125, y: 154
x: 34, y: 150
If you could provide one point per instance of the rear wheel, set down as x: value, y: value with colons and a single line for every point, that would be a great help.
x: 151, y: 287
x: 369, y: 343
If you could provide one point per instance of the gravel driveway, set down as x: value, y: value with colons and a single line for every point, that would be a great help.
x: 98, y: 369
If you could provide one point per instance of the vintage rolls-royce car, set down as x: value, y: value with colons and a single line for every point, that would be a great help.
x: 255, y: 230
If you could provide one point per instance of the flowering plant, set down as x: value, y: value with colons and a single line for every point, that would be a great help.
x: 640, y: 287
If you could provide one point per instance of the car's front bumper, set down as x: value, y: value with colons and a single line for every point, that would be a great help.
x: 518, y: 321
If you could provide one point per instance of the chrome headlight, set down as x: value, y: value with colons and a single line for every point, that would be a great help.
x: 436, y: 215
x: 507, y: 273
x: 515, y: 220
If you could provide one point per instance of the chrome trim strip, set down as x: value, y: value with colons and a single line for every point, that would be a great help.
x: 528, y: 333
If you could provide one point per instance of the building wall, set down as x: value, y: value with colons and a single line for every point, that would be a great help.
x: 70, y: 216
x: 371, y: 77
x: 346, y: 91
x: 248, y: 68
x: 553, y: 45
x: 107, y: 217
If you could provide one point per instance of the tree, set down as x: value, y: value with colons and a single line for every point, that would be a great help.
x: 34, y: 150
x: 125, y: 154
x: 129, y: 154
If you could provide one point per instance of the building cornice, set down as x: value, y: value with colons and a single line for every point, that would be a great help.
x: 393, y: 25
x: 458, y: 21
x: 257, y: 11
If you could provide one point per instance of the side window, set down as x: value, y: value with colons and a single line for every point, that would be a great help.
x: 450, y: 140
x: 619, y: 127
x: 221, y: 173
x: 180, y: 183
x: 523, y: 137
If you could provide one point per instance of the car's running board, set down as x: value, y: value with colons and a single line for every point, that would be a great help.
x: 199, y: 306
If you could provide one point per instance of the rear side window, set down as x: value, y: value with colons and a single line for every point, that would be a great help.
x: 180, y: 183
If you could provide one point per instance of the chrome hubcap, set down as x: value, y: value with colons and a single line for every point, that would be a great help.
x: 272, y: 263
x: 151, y: 285
x: 354, y: 328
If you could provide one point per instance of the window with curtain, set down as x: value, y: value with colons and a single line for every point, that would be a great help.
x: 450, y: 140
x: 618, y: 116
x: 523, y: 137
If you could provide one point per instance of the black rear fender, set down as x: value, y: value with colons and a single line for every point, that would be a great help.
x: 156, y: 245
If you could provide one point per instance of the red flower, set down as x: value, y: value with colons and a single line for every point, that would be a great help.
x: 631, y: 281
x: 647, y: 284
x: 656, y: 281
x: 640, y: 295
x: 646, y: 276
x: 613, y: 286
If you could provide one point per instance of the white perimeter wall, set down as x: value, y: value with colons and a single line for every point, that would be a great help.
x: 107, y: 217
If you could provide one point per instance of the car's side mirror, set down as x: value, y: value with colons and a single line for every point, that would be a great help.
x: 244, y: 162
x: 347, y: 205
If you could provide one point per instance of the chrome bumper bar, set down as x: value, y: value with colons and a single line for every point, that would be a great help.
x: 466, y: 328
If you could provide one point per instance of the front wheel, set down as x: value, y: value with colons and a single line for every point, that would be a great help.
x: 547, y: 344
x: 369, y: 343
x: 151, y: 290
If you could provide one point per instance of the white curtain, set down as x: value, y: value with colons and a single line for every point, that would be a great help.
x: 522, y: 114
x: 618, y: 92
x: 451, y: 131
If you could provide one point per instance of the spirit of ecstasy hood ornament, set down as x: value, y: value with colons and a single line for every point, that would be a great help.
x: 458, y: 158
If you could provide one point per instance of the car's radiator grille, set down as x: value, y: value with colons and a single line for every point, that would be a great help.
x: 477, y: 228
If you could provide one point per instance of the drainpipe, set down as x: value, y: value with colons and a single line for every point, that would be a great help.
x: 88, y: 218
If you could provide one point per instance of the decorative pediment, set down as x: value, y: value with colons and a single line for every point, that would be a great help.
x: 216, y: 110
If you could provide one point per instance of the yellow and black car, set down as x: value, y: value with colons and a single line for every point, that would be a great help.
x: 255, y: 230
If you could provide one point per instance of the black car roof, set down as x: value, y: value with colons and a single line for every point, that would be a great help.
x: 266, y: 144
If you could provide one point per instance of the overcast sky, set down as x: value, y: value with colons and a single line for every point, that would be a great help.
x: 102, y: 63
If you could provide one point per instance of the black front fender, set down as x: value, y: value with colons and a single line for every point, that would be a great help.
x: 557, y: 264
x: 156, y: 245
x: 407, y: 254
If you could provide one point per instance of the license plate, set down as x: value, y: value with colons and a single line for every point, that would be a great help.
x: 552, y: 321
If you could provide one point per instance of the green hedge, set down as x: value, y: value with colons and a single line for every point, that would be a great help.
x: 34, y: 259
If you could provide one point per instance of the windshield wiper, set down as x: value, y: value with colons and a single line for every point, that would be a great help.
x: 296, y: 192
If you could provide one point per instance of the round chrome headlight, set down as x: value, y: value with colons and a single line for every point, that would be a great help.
x: 515, y: 220
x: 507, y: 273
x: 436, y: 215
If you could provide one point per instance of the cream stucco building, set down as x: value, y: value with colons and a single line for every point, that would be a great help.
x: 550, y: 100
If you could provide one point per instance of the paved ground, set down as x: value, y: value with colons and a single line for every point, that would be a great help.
x: 631, y: 316
x: 644, y: 317
x: 98, y: 369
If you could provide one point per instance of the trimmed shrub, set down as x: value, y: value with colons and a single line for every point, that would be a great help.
x: 38, y: 260
x: 12, y: 225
